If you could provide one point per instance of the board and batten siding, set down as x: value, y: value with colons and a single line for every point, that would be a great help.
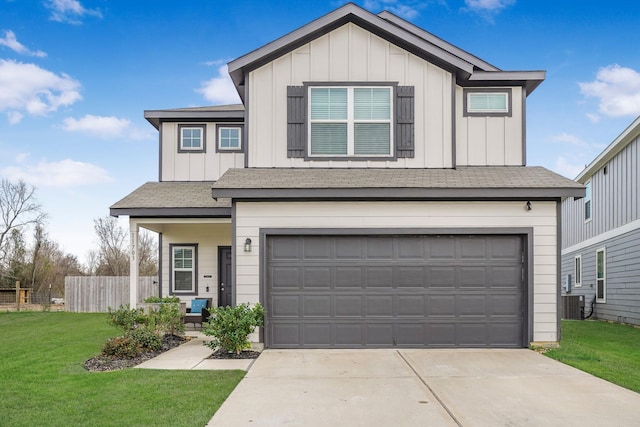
x: 490, y: 141
x: 622, y: 277
x: 614, y: 200
x: 349, y: 54
x: 251, y: 217
x: 208, y: 237
x: 197, y: 166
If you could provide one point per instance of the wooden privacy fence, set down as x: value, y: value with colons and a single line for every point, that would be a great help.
x: 95, y: 294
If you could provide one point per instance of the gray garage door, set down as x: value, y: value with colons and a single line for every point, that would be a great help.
x: 395, y: 291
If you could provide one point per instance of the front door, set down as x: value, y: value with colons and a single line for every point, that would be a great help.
x: 224, y: 276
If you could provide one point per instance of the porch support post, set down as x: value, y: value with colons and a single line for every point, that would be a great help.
x: 133, y: 264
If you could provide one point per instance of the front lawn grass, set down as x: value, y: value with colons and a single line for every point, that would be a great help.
x: 607, y: 350
x: 43, y: 382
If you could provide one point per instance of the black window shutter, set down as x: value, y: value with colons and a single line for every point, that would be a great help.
x: 405, y: 141
x: 296, y: 121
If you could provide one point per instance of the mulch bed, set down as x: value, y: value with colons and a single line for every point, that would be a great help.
x: 102, y: 363
x: 223, y: 354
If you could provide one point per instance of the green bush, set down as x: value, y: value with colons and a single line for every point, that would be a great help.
x: 164, y: 299
x: 146, y: 337
x: 230, y: 326
x: 167, y: 319
x: 126, y: 318
x: 121, y: 347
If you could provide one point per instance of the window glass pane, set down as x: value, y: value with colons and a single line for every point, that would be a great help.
x: 578, y: 270
x: 183, y: 281
x: 191, y: 137
x: 329, y: 103
x: 600, y: 289
x: 229, y: 138
x: 329, y: 138
x: 587, y: 202
x: 487, y: 102
x: 372, y: 103
x: 600, y: 265
x: 371, y: 138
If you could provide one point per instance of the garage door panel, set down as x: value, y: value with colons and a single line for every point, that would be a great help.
x: 472, y: 277
x: 471, y: 305
x: 410, y: 277
x: 348, y: 305
x: 441, y: 305
x: 410, y: 306
x: 284, y: 277
x: 348, y: 277
x: 379, y: 305
x: 379, y: 277
x: 316, y: 306
x: 444, y: 277
x: 402, y: 291
x: 316, y: 277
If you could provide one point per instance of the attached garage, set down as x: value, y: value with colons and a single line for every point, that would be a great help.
x: 357, y: 291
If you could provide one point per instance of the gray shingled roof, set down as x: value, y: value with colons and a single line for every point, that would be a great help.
x: 497, y: 182
x: 171, y: 197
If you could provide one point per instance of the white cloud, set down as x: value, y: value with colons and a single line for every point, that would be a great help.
x: 407, y: 9
x: 15, y: 117
x: 29, y: 88
x: 22, y: 157
x: 69, y: 11
x: 569, y: 139
x: 618, y: 91
x: 220, y: 89
x: 105, y: 127
x: 488, y: 5
x: 594, y: 118
x: 12, y: 43
x: 65, y: 173
x: 568, y: 169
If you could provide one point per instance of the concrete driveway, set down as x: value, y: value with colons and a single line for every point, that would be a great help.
x: 422, y: 388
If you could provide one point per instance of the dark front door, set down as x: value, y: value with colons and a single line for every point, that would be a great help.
x: 224, y: 276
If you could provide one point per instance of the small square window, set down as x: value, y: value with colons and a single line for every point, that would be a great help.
x: 229, y: 138
x: 487, y: 102
x: 192, y: 138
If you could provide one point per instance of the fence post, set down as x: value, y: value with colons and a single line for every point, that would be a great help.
x: 17, y: 295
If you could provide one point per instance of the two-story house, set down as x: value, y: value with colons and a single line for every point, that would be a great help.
x: 371, y: 191
x: 601, y: 233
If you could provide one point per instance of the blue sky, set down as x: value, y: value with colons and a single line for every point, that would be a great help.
x: 77, y: 75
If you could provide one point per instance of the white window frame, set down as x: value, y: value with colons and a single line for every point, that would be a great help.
x: 219, y: 135
x: 468, y: 93
x: 602, y: 279
x: 181, y: 146
x: 351, y: 121
x: 588, y: 205
x: 194, y: 269
x: 577, y: 271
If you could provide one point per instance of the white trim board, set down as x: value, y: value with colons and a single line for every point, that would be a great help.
x: 619, y: 231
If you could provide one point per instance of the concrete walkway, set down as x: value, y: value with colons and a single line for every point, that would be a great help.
x: 422, y: 388
x: 194, y: 355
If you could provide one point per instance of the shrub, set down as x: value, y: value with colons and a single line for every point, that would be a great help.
x: 146, y: 337
x: 164, y: 299
x: 230, y: 326
x: 125, y: 318
x: 167, y: 319
x: 121, y: 347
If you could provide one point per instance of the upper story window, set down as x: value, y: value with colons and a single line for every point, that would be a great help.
x: 352, y: 121
x: 587, y: 202
x: 192, y: 138
x: 487, y: 102
x: 229, y: 138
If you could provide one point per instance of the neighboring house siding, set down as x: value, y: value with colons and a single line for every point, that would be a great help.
x: 350, y: 54
x: 208, y: 237
x: 183, y: 166
x: 252, y: 216
x: 622, y: 277
x: 492, y: 141
x: 614, y: 201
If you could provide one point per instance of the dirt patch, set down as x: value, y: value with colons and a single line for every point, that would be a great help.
x: 103, y: 363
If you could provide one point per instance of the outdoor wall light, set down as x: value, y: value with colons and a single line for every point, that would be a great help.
x: 247, y: 245
x: 528, y: 206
